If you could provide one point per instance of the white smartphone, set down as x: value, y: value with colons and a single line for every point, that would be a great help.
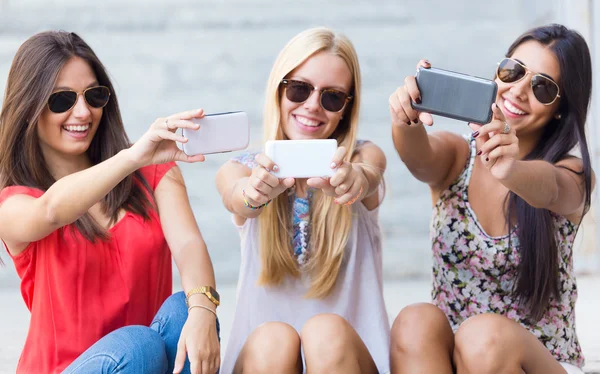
x: 302, y: 158
x: 218, y: 133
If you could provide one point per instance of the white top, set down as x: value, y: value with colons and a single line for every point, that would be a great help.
x: 357, y: 295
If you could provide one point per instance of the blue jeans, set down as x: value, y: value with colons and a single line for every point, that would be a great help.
x: 139, y: 349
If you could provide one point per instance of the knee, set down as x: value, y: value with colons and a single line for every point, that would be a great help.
x: 140, y: 347
x: 324, y: 339
x: 417, y: 327
x: 272, y: 347
x: 171, y: 315
x: 483, y: 344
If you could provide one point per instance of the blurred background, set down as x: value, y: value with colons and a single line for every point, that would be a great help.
x: 165, y: 57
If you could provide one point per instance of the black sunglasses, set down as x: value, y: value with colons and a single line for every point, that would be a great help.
x: 545, y: 90
x: 63, y: 101
x: 331, y: 100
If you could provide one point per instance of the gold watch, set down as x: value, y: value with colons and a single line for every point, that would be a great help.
x: 207, y: 291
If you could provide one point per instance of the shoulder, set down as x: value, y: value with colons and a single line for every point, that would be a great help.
x: 153, y: 174
x: 10, y: 191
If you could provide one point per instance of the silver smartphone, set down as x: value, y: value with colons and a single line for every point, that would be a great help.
x: 218, y: 133
x: 302, y: 158
x: 455, y: 95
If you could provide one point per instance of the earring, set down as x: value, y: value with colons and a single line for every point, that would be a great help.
x: 558, y: 116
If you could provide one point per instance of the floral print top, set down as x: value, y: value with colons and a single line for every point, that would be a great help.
x: 474, y: 273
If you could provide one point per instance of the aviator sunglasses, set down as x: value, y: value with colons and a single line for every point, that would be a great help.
x: 331, y: 100
x: 545, y: 90
x: 63, y: 101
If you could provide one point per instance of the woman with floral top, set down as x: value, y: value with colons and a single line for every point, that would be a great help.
x: 310, y: 292
x: 507, y: 204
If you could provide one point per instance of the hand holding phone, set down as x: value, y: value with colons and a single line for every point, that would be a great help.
x: 302, y: 158
x: 441, y: 92
x: 262, y: 186
x: 218, y: 133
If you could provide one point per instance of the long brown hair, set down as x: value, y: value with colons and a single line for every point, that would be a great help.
x: 31, y: 80
x: 330, y: 223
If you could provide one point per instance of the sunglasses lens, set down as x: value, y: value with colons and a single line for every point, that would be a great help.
x: 333, y: 101
x: 510, y: 71
x: 60, y: 102
x: 97, y: 97
x: 297, y: 92
x: 544, y: 89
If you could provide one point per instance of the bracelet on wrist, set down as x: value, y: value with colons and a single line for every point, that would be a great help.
x: 250, y: 206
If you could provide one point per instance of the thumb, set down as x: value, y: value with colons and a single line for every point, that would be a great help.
x: 288, y: 182
x: 180, y: 357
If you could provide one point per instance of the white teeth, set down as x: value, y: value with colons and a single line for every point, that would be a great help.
x: 81, y: 128
x: 307, y: 122
x: 511, y: 108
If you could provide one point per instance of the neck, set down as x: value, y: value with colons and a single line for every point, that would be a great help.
x: 61, y: 165
x: 301, y: 187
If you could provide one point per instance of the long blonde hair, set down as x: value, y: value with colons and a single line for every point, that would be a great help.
x: 330, y: 223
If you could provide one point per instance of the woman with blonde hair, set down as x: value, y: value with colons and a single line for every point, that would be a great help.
x: 311, y: 273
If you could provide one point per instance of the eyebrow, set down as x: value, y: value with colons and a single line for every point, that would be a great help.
x: 300, y: 78
x: 95, y: 83
x: 543, y: 74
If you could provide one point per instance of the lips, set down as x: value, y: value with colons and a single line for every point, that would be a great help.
x: 512, y: 108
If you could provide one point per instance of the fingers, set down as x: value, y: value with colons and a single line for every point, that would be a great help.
x: 190, y: 159
x: 495, y: 141
x: 497, y: 112
x: 410, y: 83
x: 320, y: 183
x: 180, y: 357
x: 265, y: 162
x: 502, y: 151
x: 338, y: 157
x: 168, y: 135
x: 188, y: 114
x: 496, y: 127
x: 396, y: 110
x: 424, y: 64
x: 341, y: 174
x: 351, y: 196
x: 405, y: 101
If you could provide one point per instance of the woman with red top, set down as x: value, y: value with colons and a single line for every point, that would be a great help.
x: 91, y: 223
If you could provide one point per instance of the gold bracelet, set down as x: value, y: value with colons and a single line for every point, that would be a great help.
x: 203, y: 307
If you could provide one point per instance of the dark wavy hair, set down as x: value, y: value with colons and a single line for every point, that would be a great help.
x: 538, y: 272
x: 31, y: 80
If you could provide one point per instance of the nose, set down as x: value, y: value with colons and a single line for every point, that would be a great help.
x: 313, y: 102
x: 519, y: 89
x: 81, y: 110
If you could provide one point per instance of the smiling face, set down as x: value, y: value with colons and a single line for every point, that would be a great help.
x: 522, y: 110
x: 70, y: 133
x: 308, y: 120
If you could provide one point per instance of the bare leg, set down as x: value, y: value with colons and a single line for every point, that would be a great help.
x: 491, y: 343
x: 331, y: 345
x: 421, y: 341
x: 273, y: 347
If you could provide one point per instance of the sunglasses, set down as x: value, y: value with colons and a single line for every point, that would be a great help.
x: 545, y: 90
x: 63, y: 101
x: 331, y: 100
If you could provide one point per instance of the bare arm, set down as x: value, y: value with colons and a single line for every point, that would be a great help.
x: 258, y: 184
x: 433, y: 159
x: 370, y: 160
x: 547, y: 186
x: 24, y: 219
x: 559, y: 188
x: 198, y: 339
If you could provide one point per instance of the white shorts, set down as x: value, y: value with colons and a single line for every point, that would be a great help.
x: 571, y: 369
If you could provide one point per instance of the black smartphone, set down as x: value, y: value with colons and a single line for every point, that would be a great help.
x: 455, y: 95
